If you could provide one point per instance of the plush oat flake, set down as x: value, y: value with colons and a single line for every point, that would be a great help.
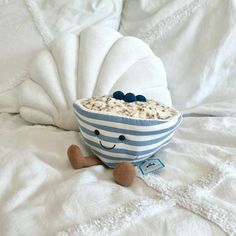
x: 144, y: 110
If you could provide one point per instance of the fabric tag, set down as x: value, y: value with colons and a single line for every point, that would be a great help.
x: 151, y: 165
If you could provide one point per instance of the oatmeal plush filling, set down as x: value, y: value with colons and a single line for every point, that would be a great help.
x: 145, y: 110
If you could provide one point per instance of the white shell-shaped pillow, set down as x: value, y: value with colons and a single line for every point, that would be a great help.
x: 96, y: 62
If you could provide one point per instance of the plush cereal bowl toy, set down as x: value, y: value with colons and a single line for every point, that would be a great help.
x: 122, y: 130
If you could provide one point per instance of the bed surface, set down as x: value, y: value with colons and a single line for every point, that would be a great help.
x: 41, y: 193
x: 195, y: 194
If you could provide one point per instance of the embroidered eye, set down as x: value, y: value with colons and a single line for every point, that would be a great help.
x: 121, y: 137
x: 96, y: 132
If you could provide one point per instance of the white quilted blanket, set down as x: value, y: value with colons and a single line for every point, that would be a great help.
x: 42, y: 195
x: 195, y: 194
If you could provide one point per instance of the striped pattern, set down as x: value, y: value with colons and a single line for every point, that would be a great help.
x: 143, y: 137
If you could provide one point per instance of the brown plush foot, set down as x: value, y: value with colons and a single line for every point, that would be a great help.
x: 75, y: 156
x: 77, y: 159
x: 124, y: 174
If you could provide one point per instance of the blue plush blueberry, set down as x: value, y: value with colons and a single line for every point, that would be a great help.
x: 130, y: 97
x: 118, y: 95
x: 141, y: 98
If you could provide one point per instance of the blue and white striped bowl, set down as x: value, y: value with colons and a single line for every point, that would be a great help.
x: 143, y: 137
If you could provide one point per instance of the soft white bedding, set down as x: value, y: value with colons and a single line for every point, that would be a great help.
x: 196, y: 41
x: 40, y: 194
x: 28, y: 26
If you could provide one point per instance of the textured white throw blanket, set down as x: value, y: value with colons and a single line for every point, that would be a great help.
x: 40, y: 194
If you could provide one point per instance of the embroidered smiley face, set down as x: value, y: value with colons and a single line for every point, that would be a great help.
x: 97, y: 133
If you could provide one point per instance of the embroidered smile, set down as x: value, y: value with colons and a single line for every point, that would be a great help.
x: 109, y: 148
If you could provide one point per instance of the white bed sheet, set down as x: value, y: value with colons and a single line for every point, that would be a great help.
x: 75, y: 15
x: 28, y: 26
x: 20, y: 41
x: 195, y: 39
x: 41, y: 194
